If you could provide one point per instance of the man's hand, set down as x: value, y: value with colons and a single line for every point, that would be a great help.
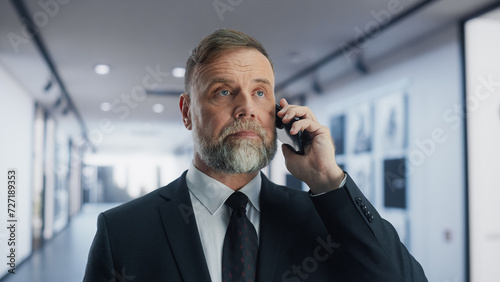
x: 317, y: 167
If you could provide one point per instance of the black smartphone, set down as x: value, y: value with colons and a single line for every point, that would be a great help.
x: 294, y: 142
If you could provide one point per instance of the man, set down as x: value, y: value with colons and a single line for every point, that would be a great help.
x: 198, y: 228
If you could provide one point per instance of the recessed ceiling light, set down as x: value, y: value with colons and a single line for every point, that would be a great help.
x: 158, y: 108
x: 178, y: 72
x: 102, y: 69
x: 106, y: 106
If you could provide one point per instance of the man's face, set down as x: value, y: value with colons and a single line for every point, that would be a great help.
x: 232, y: 112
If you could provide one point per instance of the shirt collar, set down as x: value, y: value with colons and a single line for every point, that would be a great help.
x: 212, y: 194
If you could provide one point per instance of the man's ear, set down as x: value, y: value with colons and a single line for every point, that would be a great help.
x: 184, y: 106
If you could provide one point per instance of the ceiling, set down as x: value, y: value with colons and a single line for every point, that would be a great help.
x: 143, y: 40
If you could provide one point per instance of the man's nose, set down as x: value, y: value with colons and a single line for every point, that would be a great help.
x: 245, y: 106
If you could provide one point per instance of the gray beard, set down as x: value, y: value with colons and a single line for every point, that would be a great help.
x: 236, y: 156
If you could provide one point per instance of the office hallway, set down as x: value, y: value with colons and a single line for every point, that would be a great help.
x: 65, y: 256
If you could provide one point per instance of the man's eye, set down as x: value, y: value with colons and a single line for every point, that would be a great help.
x: 260, y: 93
x: 224, y: 92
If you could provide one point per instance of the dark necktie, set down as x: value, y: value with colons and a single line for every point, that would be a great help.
x: 239, y: 254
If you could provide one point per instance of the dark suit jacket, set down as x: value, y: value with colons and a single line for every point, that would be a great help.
x: 337, y: 236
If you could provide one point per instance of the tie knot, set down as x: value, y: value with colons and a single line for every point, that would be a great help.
x: 237, y: 201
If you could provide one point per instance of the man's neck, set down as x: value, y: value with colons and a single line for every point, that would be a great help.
x: 233, y: 181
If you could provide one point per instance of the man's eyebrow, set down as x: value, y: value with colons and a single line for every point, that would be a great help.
x: 221, y: 80
x: 262, y: 80
x: 217, y: 80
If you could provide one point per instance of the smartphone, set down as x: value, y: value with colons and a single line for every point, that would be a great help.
x: 294, y: 142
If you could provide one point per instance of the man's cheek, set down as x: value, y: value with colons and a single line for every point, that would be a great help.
x: 271, y: 134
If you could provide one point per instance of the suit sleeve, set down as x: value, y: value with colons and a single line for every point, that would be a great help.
x: 372, y: 248
x: 100, y: 264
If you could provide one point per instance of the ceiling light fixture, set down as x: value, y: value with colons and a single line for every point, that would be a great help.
x: 158, y: 108
x: 102, y: 69
x: 178, y: 72
x: 106, y: 106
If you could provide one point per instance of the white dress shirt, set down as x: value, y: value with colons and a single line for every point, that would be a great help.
x: 212, y: 216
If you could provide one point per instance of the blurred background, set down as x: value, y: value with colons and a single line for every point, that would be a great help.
x: 89, y: 115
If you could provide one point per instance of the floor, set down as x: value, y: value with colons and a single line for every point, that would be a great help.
x: 65, y: 256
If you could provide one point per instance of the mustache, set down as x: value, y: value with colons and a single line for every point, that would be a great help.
x: 243, y: 124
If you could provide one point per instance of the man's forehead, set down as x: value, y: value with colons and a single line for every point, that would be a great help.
x: 229, y: 65
x: 239, y: 58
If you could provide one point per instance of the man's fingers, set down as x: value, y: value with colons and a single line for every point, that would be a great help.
x: 288, y: 112
x: 283, y: 102
x: 305, y: 124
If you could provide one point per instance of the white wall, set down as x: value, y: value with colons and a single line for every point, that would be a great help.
x: 429, y: 72
x: 483, y: 125
x: 16, y: 127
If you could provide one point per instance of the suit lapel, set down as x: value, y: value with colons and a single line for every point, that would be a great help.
x: 181, y: 229
x: 273, y: 221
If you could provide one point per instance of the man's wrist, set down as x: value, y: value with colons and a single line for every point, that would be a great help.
x: 335, y: 184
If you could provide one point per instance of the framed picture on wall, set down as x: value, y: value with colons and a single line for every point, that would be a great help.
x: 337, y: 129
x: 360, y: 128
x: 391, y: 121
x: 360, y: 169
x: 394, y: 183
